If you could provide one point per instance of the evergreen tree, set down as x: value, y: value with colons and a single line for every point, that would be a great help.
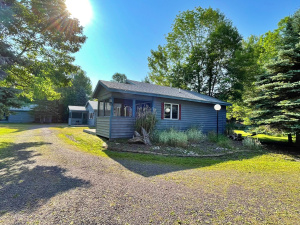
x: 278, y: 100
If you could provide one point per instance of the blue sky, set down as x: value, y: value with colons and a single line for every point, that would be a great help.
x: 122, y: 32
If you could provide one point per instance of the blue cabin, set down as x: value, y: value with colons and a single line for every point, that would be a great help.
x: 175, y: 108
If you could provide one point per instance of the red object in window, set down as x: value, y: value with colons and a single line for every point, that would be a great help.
x: 162, y: 110
x: 179, y: 111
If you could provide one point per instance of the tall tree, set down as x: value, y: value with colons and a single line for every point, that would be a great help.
x: 119, y: 77
x: 78, y: 93
x: 197, y: 53
x: 278, y: 100
x: 37, y: 40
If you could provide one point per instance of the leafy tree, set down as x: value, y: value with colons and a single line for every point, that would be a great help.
x: 78, y: 93
x: 46, y: 110
x: 36, y: 42
x: 8, y: 99
x: 119, y: 77
x: 278, y: 100
x: 197, y: 54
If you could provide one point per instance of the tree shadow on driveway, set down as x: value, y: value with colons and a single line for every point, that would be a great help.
x: 25, y: 186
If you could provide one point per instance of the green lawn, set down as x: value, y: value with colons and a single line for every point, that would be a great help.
x: 265, y: 137
x: 253, y: 161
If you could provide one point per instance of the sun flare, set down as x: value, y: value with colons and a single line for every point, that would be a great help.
x: 80, y: 9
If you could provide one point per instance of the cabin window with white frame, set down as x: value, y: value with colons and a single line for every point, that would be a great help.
x: 171, y: 111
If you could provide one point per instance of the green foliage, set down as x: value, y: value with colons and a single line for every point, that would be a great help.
x: 78, y: 93
x: 119, y: 77
x: 8, y: 99
x: 220, y: 140
x: 45, y: 109
x: 38, y: 39
x: 277, y: 103
x: 197, y: 54
x: 178, y: 138
x: 252, y: 143
x: 171, y: 137
x: 195, y: 135
x: 145, y: 118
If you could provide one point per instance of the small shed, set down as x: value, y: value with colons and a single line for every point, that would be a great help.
x: 78, y: 115
x: 92, y: 107
x: 19, y: 115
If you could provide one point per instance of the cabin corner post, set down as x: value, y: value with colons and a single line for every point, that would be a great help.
x: 133, y: 108
x: 111, y: 115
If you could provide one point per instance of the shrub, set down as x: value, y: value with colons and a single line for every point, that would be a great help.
x: 171, y: 137
x: 221, y: 140
x: 252, y: 143
x: 195, y: 135
x: 145, y: 118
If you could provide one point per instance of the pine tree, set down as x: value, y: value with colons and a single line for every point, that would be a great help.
x: 278, y: 102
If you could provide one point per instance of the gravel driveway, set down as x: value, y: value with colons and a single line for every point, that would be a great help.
x: 48, y: 182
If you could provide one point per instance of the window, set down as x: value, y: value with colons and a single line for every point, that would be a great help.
x: 101, y: 108
x: 171, y: 111
x: 107, y: 107
x: 76, y: 115
x: 91, y: 116
x: 123, y: 107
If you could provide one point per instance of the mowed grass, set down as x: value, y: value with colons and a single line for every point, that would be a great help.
x: 265, y: 137
x: 244, y: 161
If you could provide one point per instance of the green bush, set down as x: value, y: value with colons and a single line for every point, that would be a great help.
x: 171, y: 137
x: 252, y: 143
x: 145, y: 118
x: 195, y: 135
x: 220, y: 140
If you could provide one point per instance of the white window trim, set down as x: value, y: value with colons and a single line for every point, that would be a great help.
x: 171, y: 111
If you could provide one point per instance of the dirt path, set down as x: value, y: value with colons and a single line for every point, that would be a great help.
x: 46, y: 181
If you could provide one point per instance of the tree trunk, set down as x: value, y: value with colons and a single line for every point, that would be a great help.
x: 298, y: 139
x: 290, y: 140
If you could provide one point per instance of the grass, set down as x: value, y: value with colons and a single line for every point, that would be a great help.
x: 264, y: 137
x: 247, y: 161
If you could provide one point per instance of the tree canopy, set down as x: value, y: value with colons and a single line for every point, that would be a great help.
x: 36, y: 42
x: 198, y: 52
x: 119, y: 77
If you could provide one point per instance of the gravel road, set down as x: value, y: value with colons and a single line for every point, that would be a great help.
x: 46, y: 181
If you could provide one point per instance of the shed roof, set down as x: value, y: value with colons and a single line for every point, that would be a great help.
x: 76, y: 108
x: 24, y: 108
x: 136, y: 87
x: 94, y: 104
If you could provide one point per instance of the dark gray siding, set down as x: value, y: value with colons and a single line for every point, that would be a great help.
x: 122, y: 127
x: 102, y: 126
x: 21, y: 117
x: 192, y: 114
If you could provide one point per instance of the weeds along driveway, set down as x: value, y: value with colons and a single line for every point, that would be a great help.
x: 44, y: 180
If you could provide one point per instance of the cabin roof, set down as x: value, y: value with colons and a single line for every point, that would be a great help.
x: 76, y: 108
x: 140, y: 88
x: 94, y: 104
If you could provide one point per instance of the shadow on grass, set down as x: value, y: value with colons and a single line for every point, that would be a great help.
x: 153, y: 165
x: 24, y: 186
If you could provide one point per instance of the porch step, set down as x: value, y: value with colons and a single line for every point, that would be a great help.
x: 90, y: 131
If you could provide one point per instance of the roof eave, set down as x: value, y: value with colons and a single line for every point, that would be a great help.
x: 168, y: 96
